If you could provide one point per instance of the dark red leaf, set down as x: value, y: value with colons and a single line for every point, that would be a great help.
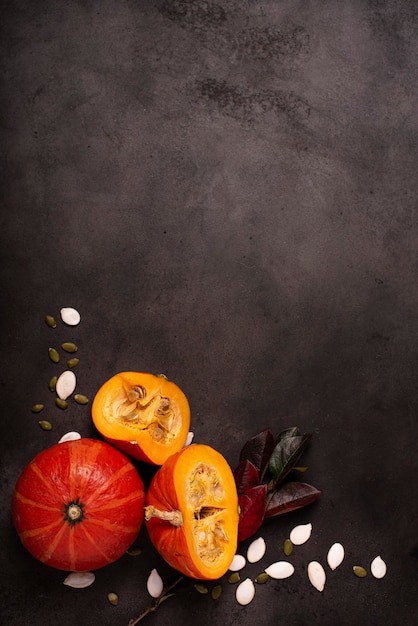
x: 258, y: 450
x: 246, y: 476
x: 252, y: 508
x: 290, y: 496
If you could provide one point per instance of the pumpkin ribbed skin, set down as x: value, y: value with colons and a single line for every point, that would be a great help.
x: 78, y: 505
x: 197, y: 486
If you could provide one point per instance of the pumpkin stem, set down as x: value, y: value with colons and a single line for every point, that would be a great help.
x: 174, y: 517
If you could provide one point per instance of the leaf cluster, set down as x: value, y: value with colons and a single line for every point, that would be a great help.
x: 265, y: 463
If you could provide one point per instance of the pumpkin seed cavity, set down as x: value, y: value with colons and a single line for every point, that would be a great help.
x: 204, y: 489
x: 155, y: 413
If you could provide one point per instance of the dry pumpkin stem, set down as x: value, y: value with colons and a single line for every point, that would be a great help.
x: 165, y: 594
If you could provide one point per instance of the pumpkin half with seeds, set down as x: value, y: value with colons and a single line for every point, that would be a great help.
x: 78, y: 505
x: 144, y: 415
x: 192, y: 513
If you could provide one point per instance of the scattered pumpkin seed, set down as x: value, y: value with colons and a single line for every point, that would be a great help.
x: 61, y: 404
x: 73, y: 362
x: 201, y: 588
x: 69, y: 346
x: 71, y: 436
x: 66, y: 384
x: 79, y: 580
x: 262, y: 578
x: 287, y: 547
x: 37, y: 408
x: 54, y: 355
x: 238, y: 562
x: 52, y: 383
x: 359, y: 571
x: 154, y: 584
x: 189, y: 439
x: 70, y: 316
x: 256, y: 550
x: 335, y: 555
x: 134, y: 551
x: 216, y: 592
x: 50, y: 321
x: 234, y: 578
x: 378, y: 567
x: 280, y: 570
x: 300, y: 534
x: 245, y: 592
x: 81, y: 399
x: 113, y: 598
x: 45, y: 425
x: 316, y: 575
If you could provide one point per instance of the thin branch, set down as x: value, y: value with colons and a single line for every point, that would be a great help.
x: 163, y: 596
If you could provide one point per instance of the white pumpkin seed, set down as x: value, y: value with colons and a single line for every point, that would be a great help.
x: 66, y: 384
x: 378, y: 567
x: 189, y: 439
x: 300, y: 534
x: 70, y: 316
x: 154, y: 584
x: 316, y: 575
x: 280, y: 570
x: 79, y: 580
x: 256, y: 550
x: 70, y: 436
x: 335, y: 555
x: 238, y: 562
x: 245, y: 592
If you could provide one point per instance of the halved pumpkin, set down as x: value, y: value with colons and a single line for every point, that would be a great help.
x: 146, y: 416
x: 192, y: 512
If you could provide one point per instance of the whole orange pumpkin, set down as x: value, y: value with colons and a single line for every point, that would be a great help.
x: 78, y: 505
x: 144, y: 415
x: 192, y: 512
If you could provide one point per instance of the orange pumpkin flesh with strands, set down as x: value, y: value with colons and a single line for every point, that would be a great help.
x: 146, y: 416
x: 78, y: 506
x: 192, y: 512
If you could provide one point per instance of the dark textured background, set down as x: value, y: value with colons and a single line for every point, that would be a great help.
x: 227, y: 192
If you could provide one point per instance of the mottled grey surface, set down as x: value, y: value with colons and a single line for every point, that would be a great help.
x: 227, y: 192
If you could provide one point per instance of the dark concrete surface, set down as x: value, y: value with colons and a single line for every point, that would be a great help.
x: 227, y: 192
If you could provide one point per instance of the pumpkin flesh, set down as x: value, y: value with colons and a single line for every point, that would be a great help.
x: 78, y: 505
x: 192, y: 512
x: 146, y: 416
